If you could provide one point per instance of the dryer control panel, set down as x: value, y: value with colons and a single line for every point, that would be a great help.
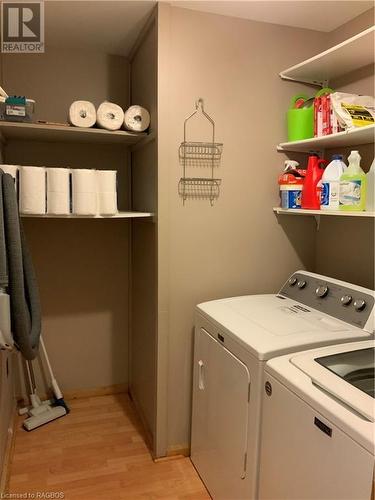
x: 344, y: 301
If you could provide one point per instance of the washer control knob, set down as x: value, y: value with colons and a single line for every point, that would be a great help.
x: 301, y: 284
x: 359, y: 304
x: 321, y: 291
x: 292, y: 281
x: 346, y: 300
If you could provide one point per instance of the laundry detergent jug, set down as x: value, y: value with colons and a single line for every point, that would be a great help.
x: 312, y: 185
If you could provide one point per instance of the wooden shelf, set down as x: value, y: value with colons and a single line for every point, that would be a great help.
x: 348, y: 56
x: 61, y: 133
x: 336, y: 213
x: 354, y: 137
x: 120, y: 215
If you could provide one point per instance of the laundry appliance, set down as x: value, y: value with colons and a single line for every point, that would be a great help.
x: 318, y: 424
x: 234, y: 338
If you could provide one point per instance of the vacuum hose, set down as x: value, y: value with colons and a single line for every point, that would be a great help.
x: 17, y: 273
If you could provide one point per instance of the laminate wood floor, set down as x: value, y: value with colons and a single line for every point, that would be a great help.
x: 98, y: 452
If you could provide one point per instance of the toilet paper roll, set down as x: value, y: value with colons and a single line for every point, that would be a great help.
x: 136, y: 119
x: 106, y: 186
x: 58, y: 191
x: 109, y: 116
x: 106, y: 180
x: 84, y: 196
x: 84, y: 203
x: 107, y: 203
x: 13, y: 171
x: 32, y: 190
x: 82, y: 114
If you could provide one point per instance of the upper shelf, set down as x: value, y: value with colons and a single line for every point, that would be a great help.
x: 355, y: 137
x: 348, y: 56
x: 61, y: 133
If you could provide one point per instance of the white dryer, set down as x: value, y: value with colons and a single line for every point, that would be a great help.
x: 318, y: 425
x: 233, y: 340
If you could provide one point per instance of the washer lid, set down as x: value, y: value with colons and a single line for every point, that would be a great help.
x: 344, y: 372
x: 271, y: 325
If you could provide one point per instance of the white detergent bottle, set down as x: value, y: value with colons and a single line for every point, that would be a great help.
x: 353, y: 185
x: 331, y: 183
x: 370, y: 198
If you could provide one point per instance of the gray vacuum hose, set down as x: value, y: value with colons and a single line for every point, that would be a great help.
x: 22, y: 286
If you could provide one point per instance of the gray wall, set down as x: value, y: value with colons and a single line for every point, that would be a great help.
x: 82, y: 265
x: 238, y: 246
x: 144, y: 241
x: 345, y: 246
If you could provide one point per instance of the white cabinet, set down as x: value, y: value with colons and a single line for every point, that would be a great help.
x: 220, y: 417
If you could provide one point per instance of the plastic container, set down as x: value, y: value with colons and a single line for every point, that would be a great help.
x: 312, y: 185
x: 17, y: 109
x: 300, y: 121
x: 330, y: 193
x: 370, y: 195
x: 290, y: 195
x: 353, y: 185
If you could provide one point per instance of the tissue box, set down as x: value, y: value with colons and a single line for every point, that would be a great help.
x: 17, y: 109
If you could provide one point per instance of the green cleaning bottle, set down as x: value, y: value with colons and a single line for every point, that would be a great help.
x: 353, y: 185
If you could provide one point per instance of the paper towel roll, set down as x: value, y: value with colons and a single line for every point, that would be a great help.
x: 82, y: 114
x: 13, y: 171
x: 109, y: 116
x: 32, y: 189
x: 58, y: 191
x: 106, y: 191
x: 137, y: 119
x: 84, y: 196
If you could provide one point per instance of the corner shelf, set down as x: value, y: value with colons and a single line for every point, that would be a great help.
x: 354, y: 53
x: 354, y: 137
x: 61, y: 133
x: 336, y: 213
x: 119, y: 215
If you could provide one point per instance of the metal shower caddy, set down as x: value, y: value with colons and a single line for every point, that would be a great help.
x: 200, y: 154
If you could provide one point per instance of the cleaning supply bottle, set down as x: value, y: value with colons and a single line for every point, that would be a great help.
x: 331, y: 184
x: 370, y: 195
x: 311, y: 188
x: 353, y: 185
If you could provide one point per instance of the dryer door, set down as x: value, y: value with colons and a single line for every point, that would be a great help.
x: 220, y: 417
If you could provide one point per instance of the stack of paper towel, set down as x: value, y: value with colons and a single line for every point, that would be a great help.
x: 62, y: 191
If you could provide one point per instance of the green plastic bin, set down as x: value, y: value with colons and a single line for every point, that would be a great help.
x: 300, y: 120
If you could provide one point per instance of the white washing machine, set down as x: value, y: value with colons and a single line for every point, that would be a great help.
x: 233, y: 340
x: 318, y: 425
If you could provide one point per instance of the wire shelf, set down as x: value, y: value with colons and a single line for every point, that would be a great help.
x: 199, y: 188
x: 200, y: 154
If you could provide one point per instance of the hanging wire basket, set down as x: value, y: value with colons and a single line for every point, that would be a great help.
x: 199, y: 188
x: 200, y: 154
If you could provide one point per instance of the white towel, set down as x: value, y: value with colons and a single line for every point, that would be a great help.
x: 82, y: 114
x: 58, y: 191
x: 106, y: 191
x: 84, y: 197
x: 32, y: 186
x: 13, y: 171
x: 137, y: 119
x: 109, y: 116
